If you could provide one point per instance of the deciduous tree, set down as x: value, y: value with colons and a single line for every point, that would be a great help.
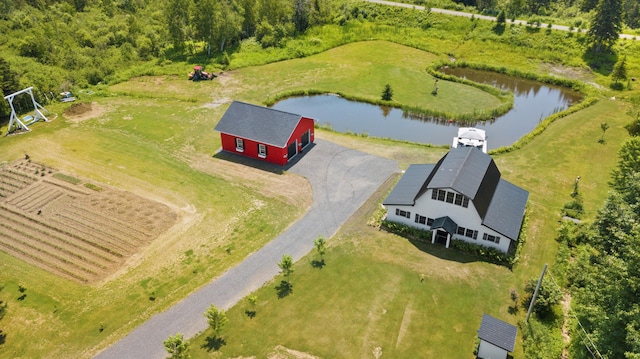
x: 321, y: 246
x: 176, y: 13
x: 228, y: 23
x: 217, y: 319
x: 286, y: 267
x: 177, y: 346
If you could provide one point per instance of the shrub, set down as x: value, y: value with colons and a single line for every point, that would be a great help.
x: 405, y: 230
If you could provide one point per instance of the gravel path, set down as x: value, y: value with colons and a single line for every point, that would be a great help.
x: 489, y: 18
x: 342, y: 180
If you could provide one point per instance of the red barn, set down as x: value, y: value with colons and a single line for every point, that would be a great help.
x: 264, y: 133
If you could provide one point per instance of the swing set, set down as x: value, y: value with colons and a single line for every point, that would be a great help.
x: 15, y: 123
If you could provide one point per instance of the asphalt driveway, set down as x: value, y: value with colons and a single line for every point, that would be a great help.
x: 342, y: 180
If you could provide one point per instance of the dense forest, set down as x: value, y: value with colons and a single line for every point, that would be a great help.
x: 60, y: 45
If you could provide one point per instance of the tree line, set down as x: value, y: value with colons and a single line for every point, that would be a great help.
x: 602, y: 265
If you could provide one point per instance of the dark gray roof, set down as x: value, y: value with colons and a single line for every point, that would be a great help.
x: 473, y: 173
x: 258, y: 123
x: 469, y: 171
x: 506, y: 210
x: 445, y: 223
x: 498, y: 333
x: 412, y: 184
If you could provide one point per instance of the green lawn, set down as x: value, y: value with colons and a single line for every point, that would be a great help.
x: 155, y: 137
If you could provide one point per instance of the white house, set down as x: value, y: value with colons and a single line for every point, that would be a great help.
x: 497, y: 338
x: 461, y: 197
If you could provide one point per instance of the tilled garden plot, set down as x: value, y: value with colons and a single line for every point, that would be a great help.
x: 71, y: 227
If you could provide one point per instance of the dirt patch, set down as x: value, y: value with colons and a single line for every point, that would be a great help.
x: 281, y: 352
x: 292, y: 189
x: 71, y: 227
x: 574, y: 73
x: 79, y: 112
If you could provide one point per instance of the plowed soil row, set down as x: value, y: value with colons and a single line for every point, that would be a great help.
x: 71, y: 230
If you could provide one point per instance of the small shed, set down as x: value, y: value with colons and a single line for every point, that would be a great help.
x: 497, y: 338
x: 263, y: 133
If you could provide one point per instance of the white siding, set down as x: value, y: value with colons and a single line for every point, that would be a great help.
x: 464, y: 217
x: 487, y: 350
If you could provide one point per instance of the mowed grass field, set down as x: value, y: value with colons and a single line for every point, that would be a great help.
x: 155, y: 137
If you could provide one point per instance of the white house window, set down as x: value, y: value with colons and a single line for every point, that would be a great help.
x: 471, y: 233
x: 490, y: 238
x: 421, y: 219
x: 402, y: 213
x: 239, y: 145
x: 262, y: 150
x: 450, y: 196
x: 458, y: 199
x: 430, y: 221
x: 460, y: 231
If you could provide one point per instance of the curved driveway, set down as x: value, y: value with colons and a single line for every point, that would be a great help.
x: 342, y: 180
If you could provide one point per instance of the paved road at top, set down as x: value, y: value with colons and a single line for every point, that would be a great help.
x: 342, y: 180
x: 484, y: 17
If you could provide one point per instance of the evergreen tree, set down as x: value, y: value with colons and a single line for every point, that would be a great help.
x: 628, y: 163
x: 619, y: 70
x: 301, y: 15
x: 387, y: 93
x: 606, y: 25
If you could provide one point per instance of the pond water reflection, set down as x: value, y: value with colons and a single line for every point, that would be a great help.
x: 533, y: 101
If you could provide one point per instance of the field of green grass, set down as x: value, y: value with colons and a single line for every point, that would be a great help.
x: 154, y: 136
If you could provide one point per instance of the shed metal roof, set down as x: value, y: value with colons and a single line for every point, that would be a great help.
x: 498, y: 333
x: 258, y: 123
x: 412, y: 184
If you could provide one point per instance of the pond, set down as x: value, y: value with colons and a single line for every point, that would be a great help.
x: 533, y: 102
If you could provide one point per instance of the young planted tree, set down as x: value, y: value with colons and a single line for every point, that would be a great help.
x: 604, y: 127
x: 321, y: 247
x: 217, y: 319
x: 387, y: 93
x: 619, y: 72
x: 253, y: 302
x: 286, y: 268
x: 177, y: 346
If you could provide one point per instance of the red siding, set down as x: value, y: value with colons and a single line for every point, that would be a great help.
x: 274, y: 154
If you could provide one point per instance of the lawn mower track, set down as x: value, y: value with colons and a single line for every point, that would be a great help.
x: 342, y: 180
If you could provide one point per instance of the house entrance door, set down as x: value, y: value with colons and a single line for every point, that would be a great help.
x: 441, y: 237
